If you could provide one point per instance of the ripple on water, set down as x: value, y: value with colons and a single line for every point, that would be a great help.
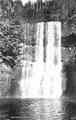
x: 37, y: 109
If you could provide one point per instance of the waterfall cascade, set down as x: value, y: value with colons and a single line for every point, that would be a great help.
x: 42, y: 77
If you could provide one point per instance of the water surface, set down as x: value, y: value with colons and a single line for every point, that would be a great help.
x: 37, y: 109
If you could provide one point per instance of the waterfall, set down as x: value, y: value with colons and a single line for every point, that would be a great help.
x: 52, y: 78
x: 42, y: 77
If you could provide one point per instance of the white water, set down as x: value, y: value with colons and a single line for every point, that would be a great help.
x: 43, y: 78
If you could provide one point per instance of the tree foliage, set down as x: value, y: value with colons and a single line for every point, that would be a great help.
x: 13, y: 15
x: 11, y: 33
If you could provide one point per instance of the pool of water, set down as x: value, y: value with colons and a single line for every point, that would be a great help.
x: 37, y: 109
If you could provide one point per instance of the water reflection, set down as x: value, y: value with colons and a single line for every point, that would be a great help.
x: 37, y: 109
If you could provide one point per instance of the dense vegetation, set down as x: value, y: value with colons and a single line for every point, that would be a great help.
x: 11, y: 33
x: 13, y: 19
x: 13, y: 16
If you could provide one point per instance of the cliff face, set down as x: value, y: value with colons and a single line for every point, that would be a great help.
x: 4, y: 80
x: 56, y: 10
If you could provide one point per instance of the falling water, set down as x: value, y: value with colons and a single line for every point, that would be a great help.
x: 42, y: 78
x: 52, y: 76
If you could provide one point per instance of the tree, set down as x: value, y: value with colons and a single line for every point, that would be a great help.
x: 11, y: 34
